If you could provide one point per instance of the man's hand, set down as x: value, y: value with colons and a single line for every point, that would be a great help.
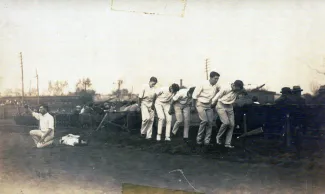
x: 213, y: 105
x: 193, y: 109
x: 171, y: 111
x: 42, y: 139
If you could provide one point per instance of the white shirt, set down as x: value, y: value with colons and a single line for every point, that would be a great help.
x: 181, y: 97
x: 131, y: 108
x: 147, y: 94
x: 164, y: 95
x: 46, y: 121
x: 226, y: 96
x: 205, y: 92
x: 82, y: 110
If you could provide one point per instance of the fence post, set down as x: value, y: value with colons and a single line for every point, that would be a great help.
x: 288, y: 132
x: 245, y: 131
x: 245, y: 124
x: 55, y: 121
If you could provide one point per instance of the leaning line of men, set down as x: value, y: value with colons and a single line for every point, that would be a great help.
x: 166, y: 101
x: 205, y: 98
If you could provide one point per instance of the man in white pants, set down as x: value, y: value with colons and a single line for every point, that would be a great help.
x: 146, y: 102
x: 164, y: 97
x: 223, y: 102
x: 45, y: 134
x: 202, y: 98
x: 181, y: 106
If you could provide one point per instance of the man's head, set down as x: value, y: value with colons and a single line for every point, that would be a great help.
x: 238, y: 85
x: 106, y: 105
x: 296, y: 90
x: 254, y: 99
x: 214, y: 77
x: 174, y: 88
x: 43, y: 109
x: 190, y: 92
x: 286, y: 91
x: 153, y: 81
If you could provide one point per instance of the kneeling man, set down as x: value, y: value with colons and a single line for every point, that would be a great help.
x: 45, y: 134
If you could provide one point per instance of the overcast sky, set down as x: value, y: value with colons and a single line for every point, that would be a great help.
x: 253, y: 40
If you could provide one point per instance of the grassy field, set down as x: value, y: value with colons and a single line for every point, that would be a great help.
x: 113, y: 158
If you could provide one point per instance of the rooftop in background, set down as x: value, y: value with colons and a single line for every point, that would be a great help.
x: 261, y: 91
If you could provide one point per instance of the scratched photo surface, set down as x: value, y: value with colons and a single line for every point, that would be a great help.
x: 164, y: 96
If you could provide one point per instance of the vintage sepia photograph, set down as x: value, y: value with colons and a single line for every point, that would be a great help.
x: 162, y: 97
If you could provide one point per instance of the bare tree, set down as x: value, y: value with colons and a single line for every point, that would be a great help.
x: 83, y: 84
x: 314, y: 87
x: 17, y: 92
x: 8, y: 92
x: 57, y: 88
x: 32, y: 92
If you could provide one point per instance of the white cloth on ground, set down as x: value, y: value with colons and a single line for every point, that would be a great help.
x: 70, y: 139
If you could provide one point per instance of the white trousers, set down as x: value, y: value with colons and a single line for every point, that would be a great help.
x: 183, y: 115
x: 37, y: 135
x: 148, y: 116
x: 227, y: 117
x: 163, y: 116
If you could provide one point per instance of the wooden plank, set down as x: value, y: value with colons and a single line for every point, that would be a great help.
x: 140, y: 189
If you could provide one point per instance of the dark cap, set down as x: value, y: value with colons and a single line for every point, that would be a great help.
x: 296, y: 89
x: 239, y: 83
x: 285, y: 90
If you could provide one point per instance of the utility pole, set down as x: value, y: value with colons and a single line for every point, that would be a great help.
x: 37, y: 87
x: 30, y: 87
x: 22, y: 77
x: 207, y: 68
x: 119, y: 83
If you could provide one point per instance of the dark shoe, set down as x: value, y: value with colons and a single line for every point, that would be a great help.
x: 208, y: 145
x: 172, y: 135
x: 185, y: 140
x: 143, y: 135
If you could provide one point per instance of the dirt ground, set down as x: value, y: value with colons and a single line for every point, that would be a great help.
x: 112, y: 159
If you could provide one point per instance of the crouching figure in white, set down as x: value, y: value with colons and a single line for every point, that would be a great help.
x: 45, y: 134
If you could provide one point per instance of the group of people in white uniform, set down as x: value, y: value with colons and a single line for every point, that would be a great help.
x: 205, y: 98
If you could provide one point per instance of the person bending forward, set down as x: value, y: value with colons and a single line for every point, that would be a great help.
x: 223, y: 102
x: 181, y: 105
x: 163, y: 102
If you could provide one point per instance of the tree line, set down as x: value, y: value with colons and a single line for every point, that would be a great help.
x: 83, y: 88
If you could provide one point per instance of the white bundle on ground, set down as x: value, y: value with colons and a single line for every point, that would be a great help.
x: 70, y: 139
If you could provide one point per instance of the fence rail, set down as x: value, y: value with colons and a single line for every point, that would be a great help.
x: 272, y: 118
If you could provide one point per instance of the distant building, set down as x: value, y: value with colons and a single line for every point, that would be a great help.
x: 50, y: 100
